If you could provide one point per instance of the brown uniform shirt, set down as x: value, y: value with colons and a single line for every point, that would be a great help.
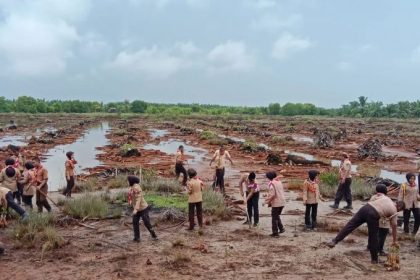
x: 195, y: 187
x: 386, y: 208
x: 276, y: 193
x: 139, y: 203
x: 3, y: 201
x: 9, y: 182
x: 410, y: 195
x: 310, y: 192
x: 28, y: 182
x: 69, y: 165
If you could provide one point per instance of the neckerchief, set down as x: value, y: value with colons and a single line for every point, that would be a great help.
x: 312, y: 186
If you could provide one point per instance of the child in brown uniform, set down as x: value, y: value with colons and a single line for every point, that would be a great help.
x: 28, y: 182
x: 311, y: 197
x: 276, y: 201
x: 141, y: 208
x: 371, y: 213
x: 195, y: 198
x: 409, y: 193
x: 69, y: 166
x: 41, y: 177
x: 11, y: 182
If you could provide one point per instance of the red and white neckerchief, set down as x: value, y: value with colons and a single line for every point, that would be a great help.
x: 312, y: 186
x: 17, y: 163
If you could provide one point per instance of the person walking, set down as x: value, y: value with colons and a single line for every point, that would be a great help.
x: 220, y: 157
x: 179, y: 165
x: 276, y: 201
x: 140, y: 208
x: 344, y: 190
x: 371, y: 213
x: 409, y: 194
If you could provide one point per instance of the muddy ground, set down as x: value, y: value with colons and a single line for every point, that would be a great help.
x: 227, y: 249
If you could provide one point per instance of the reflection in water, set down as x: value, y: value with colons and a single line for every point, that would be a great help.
x: 15, y: 140
x: 363, y: 169
x: 155, y: 133
x: 302, y: 138
x: 85, y: 154
x: 305, y: 156
x: 170, y: 147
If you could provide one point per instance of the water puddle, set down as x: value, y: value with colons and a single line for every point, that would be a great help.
x: 157, y: 133
x: 362, y: 169
x: 39, y: 132
x: 305, y: 156
x: 16, y: 140
x: 171, y: 146
x: 303, y: 138
x: 85, y: 152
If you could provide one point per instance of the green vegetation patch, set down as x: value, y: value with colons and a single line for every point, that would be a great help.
x: 179, y: 202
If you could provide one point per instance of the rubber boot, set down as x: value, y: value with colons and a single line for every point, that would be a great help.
x: 153, y: 234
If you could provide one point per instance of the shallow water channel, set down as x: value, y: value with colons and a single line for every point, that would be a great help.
x: 16, y: 140
x: 171, y: 146
x: 363, y: 169
x: 85, y: 153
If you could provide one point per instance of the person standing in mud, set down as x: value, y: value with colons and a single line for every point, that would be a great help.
x: 276, y: 201
x: 344, y: 189
x: 11, y: 182
x: 219, y: 158
x: 371, y: 213
x: 195, y: 199
x: 250, y: 191
x: 19, y: 165
x: 409, y: 194
x: 179, y: 165
x: 41, y: 181
x: 311, y: 197
x: 140, y: 208
x: 69, y: 169
x: 28, y: 182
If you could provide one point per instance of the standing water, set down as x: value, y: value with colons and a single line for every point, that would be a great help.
x: 171, y: 146
x: 85, y: 153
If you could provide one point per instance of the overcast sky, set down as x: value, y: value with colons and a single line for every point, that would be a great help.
x: 236, y: 52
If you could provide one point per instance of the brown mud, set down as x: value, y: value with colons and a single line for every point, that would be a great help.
x: 228, y: 249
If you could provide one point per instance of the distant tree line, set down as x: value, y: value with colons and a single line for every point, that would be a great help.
x: 359, y: 108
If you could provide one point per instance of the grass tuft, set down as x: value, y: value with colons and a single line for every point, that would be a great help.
x: 86, y: 206
x: 214, y: 203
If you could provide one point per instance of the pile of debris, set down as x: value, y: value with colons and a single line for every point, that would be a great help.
x: 187, y: 131
x: 323, y: 139
x: 371, y: 148
x: 274, y: 158
x: 252, y: 147
x: 128, y: 150
x: 341, y: 135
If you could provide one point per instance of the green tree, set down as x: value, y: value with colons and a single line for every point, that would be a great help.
x: 138, y: 106
x: 274, y: 109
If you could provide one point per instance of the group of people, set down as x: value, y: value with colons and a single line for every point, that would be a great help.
x: 380, y: 213
x: 20, y: 180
